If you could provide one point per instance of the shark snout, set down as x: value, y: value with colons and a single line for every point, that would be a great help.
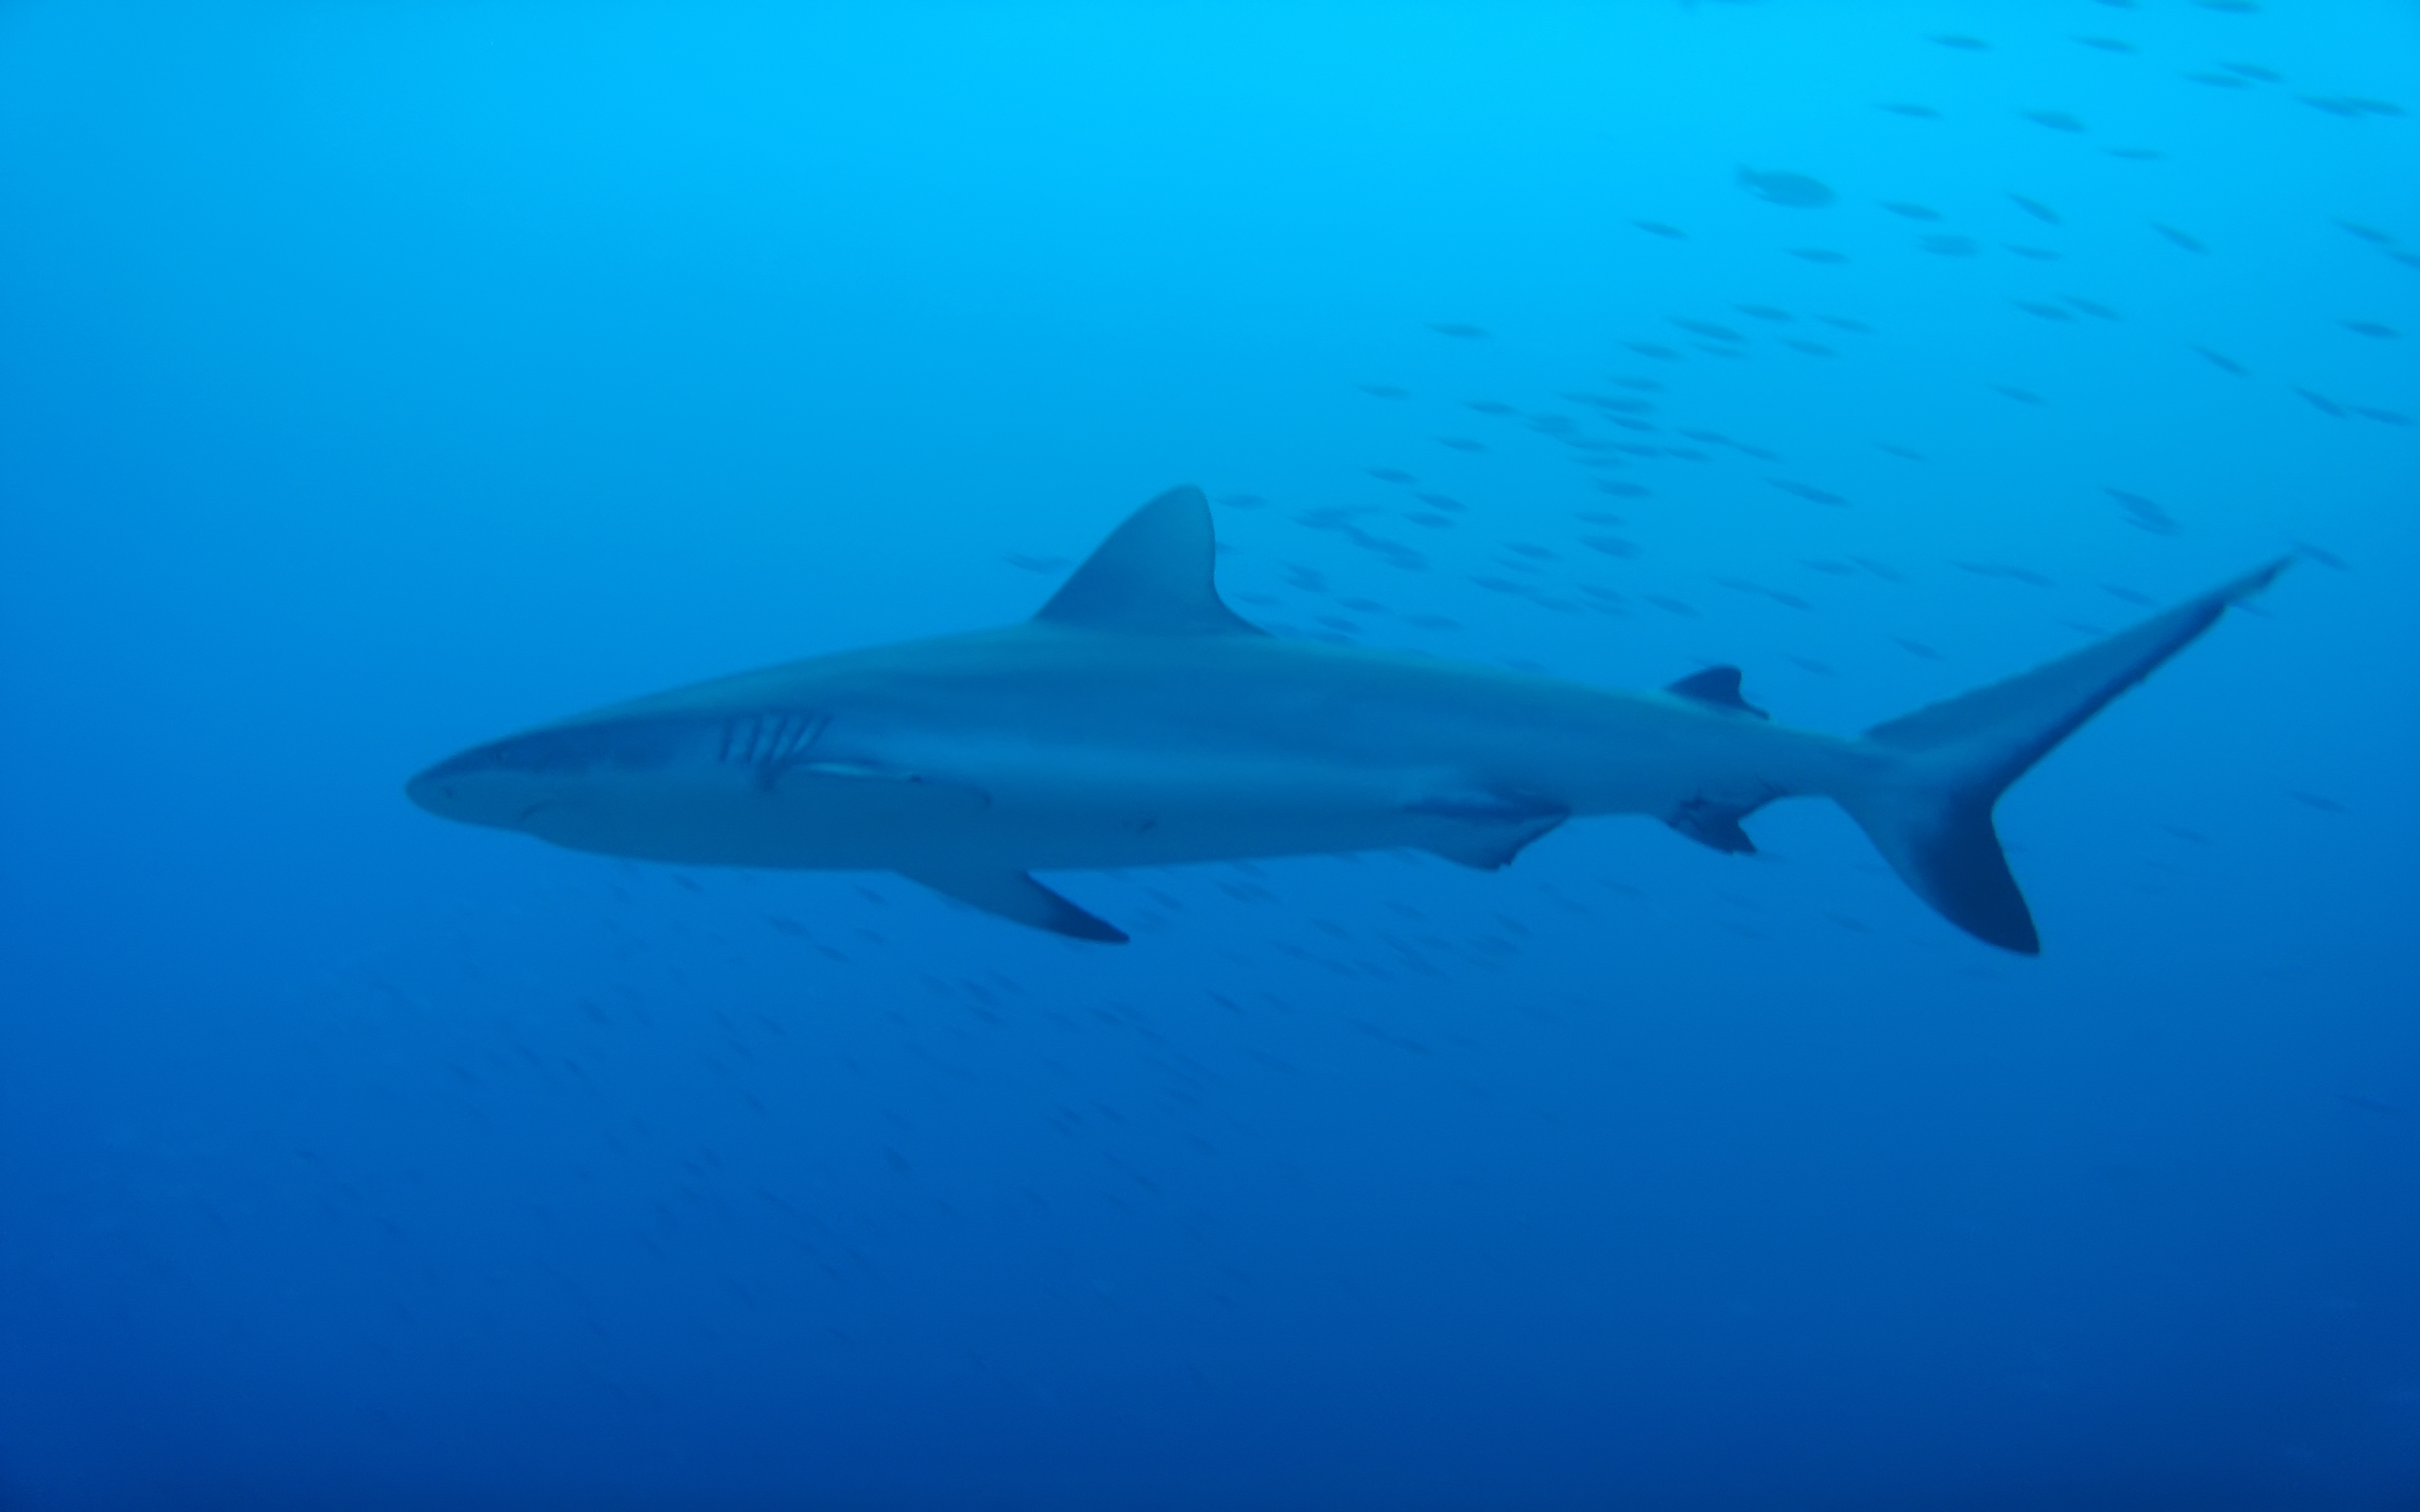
x: 476, y: 787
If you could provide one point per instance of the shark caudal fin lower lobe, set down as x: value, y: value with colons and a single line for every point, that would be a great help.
x: 1928, y: 810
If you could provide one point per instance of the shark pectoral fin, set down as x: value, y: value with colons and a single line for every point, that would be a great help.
x: 1017, y: 898
x: 1487, y: 829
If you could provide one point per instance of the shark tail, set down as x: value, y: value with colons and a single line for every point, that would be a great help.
x: 1927, y: 805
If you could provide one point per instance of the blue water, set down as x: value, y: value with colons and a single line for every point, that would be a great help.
x: 377, y: 380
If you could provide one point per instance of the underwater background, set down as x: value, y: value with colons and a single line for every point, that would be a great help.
x: 376, y: 379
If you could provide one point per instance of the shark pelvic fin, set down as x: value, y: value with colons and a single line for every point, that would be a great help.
x: 1155, y: 576
x: 1716, y: 688
x: 1487, y: 829
x: 1017, y: 898
x: 1715, y: 824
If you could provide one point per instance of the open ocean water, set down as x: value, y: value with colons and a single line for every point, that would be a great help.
x: 376, y: 380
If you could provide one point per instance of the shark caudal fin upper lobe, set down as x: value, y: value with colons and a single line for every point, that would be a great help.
x: 1928, y: 811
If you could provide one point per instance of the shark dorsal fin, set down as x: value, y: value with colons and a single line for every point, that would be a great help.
x: 1153, y: 576
x: 1717, y: 687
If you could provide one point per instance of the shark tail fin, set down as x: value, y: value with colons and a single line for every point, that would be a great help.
x: 1928, y: 807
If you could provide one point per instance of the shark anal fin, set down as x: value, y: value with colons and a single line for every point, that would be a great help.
x: 1716, y: 688
x: 1155, y: 576
x: 1017, y: 898
x: 1487, y: 829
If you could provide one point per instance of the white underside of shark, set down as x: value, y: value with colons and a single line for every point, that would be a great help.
x: 1137, y: 721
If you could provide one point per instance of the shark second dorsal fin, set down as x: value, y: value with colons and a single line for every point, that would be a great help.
x: 1155, y: 576
x: 1716, y: 688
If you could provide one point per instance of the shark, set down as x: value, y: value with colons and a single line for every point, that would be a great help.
x: 1138, y: 721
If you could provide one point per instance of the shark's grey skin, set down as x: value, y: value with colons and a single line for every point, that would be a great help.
x: 1137, y: 721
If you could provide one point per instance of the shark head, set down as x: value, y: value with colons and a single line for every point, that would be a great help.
x: 501, y: 784
x: 521, y: 781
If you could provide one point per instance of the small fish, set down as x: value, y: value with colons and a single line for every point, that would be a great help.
x: 1642, y: 386
x: 2256, y: 71
x: 1654, y: 349
x: 1812, y: 348
x: 1462, y: 443
x: 2046, y: 312
x: 1949, y: 246
x: 1905, y: 453
x: 1764, y: 311
x: 1808, y: 491
x: 2384, y: 417
x: 1242, y: 501
x: 2137, y: 154
x: 1707, y: 329
x: 2129, y: 595
x: 2318, y: 801
x: 2323, y: 556
x: 1440, y: 501
x: 1657, y: 228
x: 1914, y: 112
x: 1459, y: 330
x: 1388, y: 474
x: 1961, y: 42
x: 1819, y: 255
x: 2023, y: 395
x: 1842, y: 322
x: 2038, y: 210
x: 1614, y: 403
x: 2037, y: 254
x: 2368, y: 233
x: 1910, y: 210
x: 1882, y: 570
x: 2185, y: 239
x: 2322, y: 403
x: 1670, y: 606
x: 1385, y: 391
x: 1795, y: 190
x: 2092, y: 307
x: 2373, y: 1105
x: 2108, y: 44
x: 2218, y: 81
x: 2055, y: 120
x: 1611, y: 545
x: 2015, y: 574
x: 1039, y: 564
x: 2223, y: 362
x: 1489, y: 406
x: 2352, y: 106
x: 2371, y: 328
x: 2233, y: 7
x: 1621, y: 488
x: 1916, y: 648
x: 2144, y: 514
